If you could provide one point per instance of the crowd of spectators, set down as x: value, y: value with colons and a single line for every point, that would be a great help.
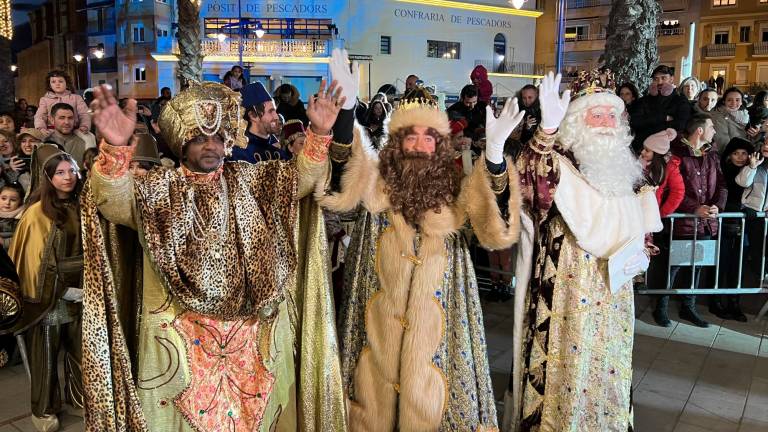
x: 703, y: 146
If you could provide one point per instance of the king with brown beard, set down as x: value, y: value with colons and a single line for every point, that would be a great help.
x: 410, y: 323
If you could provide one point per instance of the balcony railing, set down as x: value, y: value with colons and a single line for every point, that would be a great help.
x: 512, y: 67
x: 580, y: 4
x: 760, y: 48
x: 586, y: 37
x: 670, y: 31
x: 720, y: 50
x: 268, y: 48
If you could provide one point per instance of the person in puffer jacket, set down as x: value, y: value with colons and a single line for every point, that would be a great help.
x: 479, y: 77
x: 60, y: 88
x: 754, y: 179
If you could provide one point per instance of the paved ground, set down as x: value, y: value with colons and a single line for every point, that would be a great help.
x: 686, y: 379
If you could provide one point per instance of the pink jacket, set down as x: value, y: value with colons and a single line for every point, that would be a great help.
x: 82, y: 116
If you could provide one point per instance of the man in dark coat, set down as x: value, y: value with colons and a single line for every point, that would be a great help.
x: 660, y: 109
x: 705, y: 196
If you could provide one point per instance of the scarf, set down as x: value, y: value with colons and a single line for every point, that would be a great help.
x: 665, y: 89
x: 13, y: 214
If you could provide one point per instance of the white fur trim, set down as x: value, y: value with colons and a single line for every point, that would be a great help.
x: 421, y: 116
x: 606, y: 98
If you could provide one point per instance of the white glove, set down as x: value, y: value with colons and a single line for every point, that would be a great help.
x: 349, y: 81
x: 497, y: 130
x: 553, y: 107
x: 74, y: 295
x: 637, y: 264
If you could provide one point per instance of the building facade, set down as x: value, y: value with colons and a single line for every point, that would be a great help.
x: 290, y: 41
x: 586, y: 23
x: 733, y: 42
x: 390, y: 38
x: 58, y: 32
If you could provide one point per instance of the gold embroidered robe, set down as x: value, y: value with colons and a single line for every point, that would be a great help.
x: 277, y: 370
x: 572, y: 363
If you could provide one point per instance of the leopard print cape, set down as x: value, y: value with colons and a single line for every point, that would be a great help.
x: 223, y: 257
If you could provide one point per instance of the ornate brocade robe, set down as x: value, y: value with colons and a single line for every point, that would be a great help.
x: 275, y: 369
x: 572, y: 363
x: 410, y: 323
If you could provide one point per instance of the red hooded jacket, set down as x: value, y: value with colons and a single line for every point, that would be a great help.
x: 484, y: 88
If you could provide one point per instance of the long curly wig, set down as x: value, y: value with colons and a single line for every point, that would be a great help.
x: 419, y: 182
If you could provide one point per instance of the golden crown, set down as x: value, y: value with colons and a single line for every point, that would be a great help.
x: 591, y: 82
x: 417, y: 98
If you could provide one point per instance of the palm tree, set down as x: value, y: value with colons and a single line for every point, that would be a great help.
x: 630, y: 49
x: 7, y: 100
x: 188, y: 36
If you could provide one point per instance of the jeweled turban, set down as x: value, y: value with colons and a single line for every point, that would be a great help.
x: 205, y: 108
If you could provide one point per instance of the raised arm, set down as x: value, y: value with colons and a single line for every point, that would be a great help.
x: 111, y: 182
x: 322, y: 112
x: 491, y: 194
x: 353, y: 167
x: 537, y: 165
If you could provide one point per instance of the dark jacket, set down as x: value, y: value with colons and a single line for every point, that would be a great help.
x: 648, y: 115
x: 730, y: 171
x: 475, y: 118
x: 704, y: 185
x: 293, y: 109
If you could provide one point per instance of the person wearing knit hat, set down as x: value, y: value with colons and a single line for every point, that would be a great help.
x: 663, y: 170
x: 292, y: 137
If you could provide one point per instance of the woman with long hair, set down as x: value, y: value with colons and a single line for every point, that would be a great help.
x: 662, y: 170
x: 731, y: 119
x: 47, y: 251
x: 733, y: 160
x: 375, y: 120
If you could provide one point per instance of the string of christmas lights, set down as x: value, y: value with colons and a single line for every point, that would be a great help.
x: 6, y: 25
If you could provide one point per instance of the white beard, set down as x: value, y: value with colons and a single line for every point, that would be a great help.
x: 605, y: 158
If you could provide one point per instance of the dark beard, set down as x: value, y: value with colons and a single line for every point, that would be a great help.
x: 419, y: 182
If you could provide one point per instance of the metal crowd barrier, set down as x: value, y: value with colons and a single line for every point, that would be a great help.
x: 696, y: 253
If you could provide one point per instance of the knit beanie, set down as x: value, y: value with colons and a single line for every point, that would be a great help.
x: 659, y: 142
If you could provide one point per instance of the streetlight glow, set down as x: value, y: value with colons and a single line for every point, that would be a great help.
x: 517, y: 4
x: 259, y: 30
x: 78, y: 57
x: 99, y: 53
x: 13, y: 68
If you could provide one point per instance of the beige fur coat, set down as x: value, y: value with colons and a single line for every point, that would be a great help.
x: 396, y: 383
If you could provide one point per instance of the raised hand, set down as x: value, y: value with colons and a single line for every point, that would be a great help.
x: 497, y: 130
x: 553, y: 106
x: 324, y: 108
x: 348, y: 80
x: 755, y: 159
x: 114, y: 124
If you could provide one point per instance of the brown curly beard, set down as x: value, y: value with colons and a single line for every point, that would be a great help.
x: 419, y: 182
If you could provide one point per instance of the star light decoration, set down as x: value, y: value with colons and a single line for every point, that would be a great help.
x: 6, y: 25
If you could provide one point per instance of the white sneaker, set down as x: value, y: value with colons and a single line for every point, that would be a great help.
x: 49, y: 423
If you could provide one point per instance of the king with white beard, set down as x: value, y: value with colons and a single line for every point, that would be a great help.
x: 585, y: 214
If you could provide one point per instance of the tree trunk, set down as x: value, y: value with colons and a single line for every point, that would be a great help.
x: 190, y: 49
x: 631, y: 50
x: 7, y: 100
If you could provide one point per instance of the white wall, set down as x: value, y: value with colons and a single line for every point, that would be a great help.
x: 361, y: 23
x: 411, y: 25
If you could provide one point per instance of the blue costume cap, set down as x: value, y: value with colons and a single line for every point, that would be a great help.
x: 254, y: 94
